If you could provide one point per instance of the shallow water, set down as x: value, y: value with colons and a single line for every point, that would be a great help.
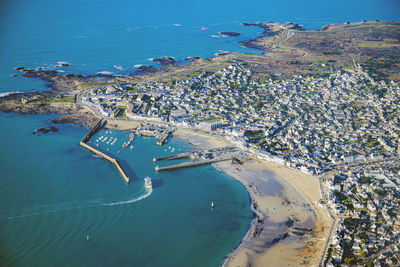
x: 54, y: 193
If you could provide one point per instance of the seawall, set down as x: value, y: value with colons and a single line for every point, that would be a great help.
x: 101, y: 154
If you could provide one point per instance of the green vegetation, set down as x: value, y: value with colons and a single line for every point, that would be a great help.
x: 347, y: 67
x: 88, y: 85
x: 371, y: 143
x: 366, y: 180
x: 58, y: 99
x: 380, y: 192
x: 122, y: 113
x: 133, y: 88
x: 350, y: 261
x: 329, y: 254
x: 351, y: 221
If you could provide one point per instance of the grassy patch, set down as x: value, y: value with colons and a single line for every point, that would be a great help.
x: 61, y: 99
x: 371, y: 144
x: 91, y: 85
x: 122, y: 113
x: 380, y: 192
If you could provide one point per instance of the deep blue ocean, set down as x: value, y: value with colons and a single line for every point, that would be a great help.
x: 53, y: 193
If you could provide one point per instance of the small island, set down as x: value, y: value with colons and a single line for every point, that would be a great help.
x: 232, y: 34
x: 320, y: 109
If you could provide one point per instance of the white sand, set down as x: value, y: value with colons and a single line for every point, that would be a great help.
x: 280, y: 194
x: 295, y: 197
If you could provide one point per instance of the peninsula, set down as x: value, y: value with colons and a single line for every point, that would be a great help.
x: 319, y: 109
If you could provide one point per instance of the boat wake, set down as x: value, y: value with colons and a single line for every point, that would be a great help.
x: 61, y: 207
x: 147, y: 194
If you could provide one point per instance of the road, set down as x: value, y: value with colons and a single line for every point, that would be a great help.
x: 333, y: 225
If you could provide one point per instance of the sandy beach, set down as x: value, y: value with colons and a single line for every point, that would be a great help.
x: 122, y: 124
x: 200, y: 140
x: 283, y: 199
x: 290, y: 226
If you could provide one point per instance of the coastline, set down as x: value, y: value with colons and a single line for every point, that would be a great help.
x: 282, y: 199
x: 272, y: 237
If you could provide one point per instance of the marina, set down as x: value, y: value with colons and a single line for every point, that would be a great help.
x: 86, y: 139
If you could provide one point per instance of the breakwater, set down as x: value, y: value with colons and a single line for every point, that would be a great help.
x: 190, y: 164
x: 177, y: 156
x: 101, y: 154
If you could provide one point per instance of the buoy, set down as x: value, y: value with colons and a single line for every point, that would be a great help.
x: 87, y: 237
x: 154, y: 159
x: 212, y: 204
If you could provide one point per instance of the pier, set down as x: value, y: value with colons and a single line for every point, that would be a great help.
x: 177, y: 156
x: 101, y: 154
x: 163, y: 138
x: 191, y: 164
x: 162, y: 134
x: 92, y: 131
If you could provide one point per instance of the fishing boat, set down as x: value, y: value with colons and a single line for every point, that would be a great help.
x: 147, y: 183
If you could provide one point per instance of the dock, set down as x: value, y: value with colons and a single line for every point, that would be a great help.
x: 162, y: 135
x: 101, y: 154
x: 191, y: 164
x: 163, y: 138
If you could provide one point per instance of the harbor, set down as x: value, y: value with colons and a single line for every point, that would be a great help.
x: 159, y: 132
x: 84, y: 144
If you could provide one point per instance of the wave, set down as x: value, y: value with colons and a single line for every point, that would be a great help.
x: 177, y: 25
x: 221, y: 53
x: 61, y: 207
x: 9, y: 93
x: 63, y: 64
x: 104, y: 72
x: 218, y: 36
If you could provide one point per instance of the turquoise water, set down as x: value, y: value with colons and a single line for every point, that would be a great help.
x: 53, y: 193
x: 96, y: 35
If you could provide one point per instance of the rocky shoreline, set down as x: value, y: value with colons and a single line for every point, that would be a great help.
x: 269, y: 29
x: 35, y: 103
x: 165, y: 61
x: 232, y: 34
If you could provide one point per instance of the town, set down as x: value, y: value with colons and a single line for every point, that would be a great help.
x: 343, y: 128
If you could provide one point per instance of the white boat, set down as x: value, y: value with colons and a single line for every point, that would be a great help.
x: 147, y: 183
x: 212, y: 204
